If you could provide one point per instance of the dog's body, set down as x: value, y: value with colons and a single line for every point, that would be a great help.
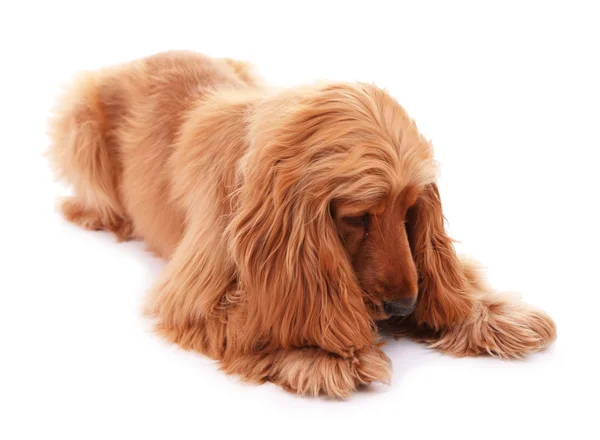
x: 127, y: 121
x: 282, y: 215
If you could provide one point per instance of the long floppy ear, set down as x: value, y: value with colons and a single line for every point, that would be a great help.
x: 298, y: 286
x: 443, y: 287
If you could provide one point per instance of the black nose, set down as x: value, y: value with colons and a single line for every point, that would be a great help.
x: 400, y: 307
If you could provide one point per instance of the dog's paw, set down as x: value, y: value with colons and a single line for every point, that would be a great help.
x: 313, y: 372
x: 371, y: 364
x: 499, y: 326
x: 95, y: 220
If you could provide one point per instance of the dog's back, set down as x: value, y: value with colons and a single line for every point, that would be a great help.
x: 112, y: 132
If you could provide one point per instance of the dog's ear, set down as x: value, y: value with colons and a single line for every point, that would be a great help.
x: 298, y: 286
x: 443, y: 296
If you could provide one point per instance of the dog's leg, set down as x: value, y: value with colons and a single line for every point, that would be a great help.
x: 191, y: 299
x: 197, y: 305
x: 306, y: 371
x: 495, y: 324
x: 313, y: 371
x: 498, y: 324
x: 80, y: 155
x: 206, y: 336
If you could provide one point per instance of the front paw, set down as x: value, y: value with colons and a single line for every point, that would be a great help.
x: 312, y: 371
x: 502, y: 327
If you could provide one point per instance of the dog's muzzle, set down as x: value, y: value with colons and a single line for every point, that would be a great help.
x: 399, y: 307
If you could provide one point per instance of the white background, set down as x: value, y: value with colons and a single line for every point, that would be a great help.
x: 509, y: 95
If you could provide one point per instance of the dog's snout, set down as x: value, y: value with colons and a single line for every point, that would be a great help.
x: 399, y: 307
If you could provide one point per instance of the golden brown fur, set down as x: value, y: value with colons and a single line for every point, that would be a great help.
x: 282, y: 215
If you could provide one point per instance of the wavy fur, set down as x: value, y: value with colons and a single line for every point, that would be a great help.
x: 253, y: 196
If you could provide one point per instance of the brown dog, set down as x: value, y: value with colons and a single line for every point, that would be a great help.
x: 294, y: 221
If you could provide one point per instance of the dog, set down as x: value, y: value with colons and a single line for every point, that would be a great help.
x: 298, y: 224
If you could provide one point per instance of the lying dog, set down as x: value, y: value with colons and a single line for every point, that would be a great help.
x: 297, y: 223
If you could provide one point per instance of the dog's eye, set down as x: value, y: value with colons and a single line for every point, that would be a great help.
x: 361, y: 221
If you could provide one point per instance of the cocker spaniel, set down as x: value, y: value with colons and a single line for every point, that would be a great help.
x: 298, y: 224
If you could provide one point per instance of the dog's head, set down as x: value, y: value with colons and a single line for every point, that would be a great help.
x: 374, y: 235
x: 326, y: 229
